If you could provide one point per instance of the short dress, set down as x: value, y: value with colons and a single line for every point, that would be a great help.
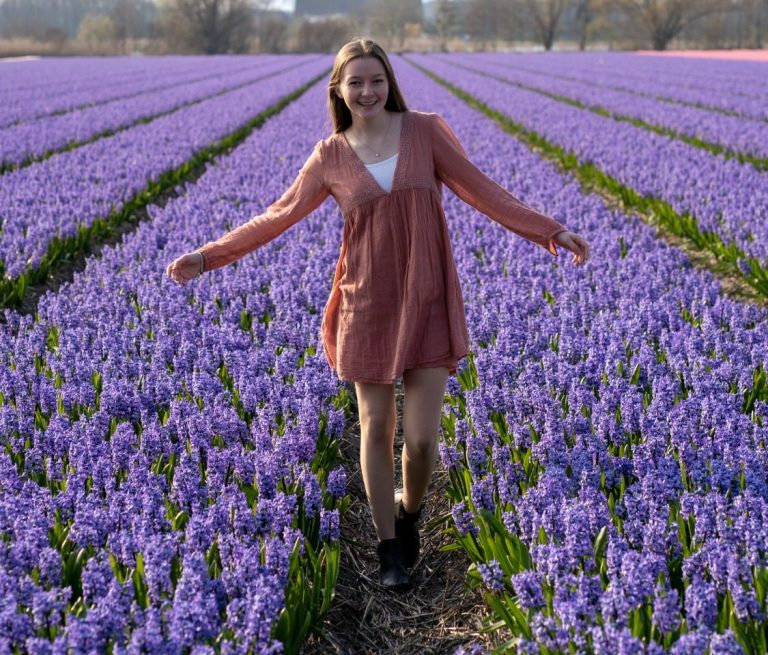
x: 395, y: 302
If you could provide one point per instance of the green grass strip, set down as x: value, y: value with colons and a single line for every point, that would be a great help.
x: 8, y: 167
x: 760, y: 163
x: 13, y: 290
x: 729, y: 255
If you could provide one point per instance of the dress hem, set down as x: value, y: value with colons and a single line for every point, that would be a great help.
x: 451, y: 363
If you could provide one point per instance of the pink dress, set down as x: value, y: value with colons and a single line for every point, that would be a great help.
x: 395, y: 302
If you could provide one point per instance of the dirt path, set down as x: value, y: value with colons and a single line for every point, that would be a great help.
x: 437, y: 616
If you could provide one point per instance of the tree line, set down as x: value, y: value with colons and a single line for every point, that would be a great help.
x: 238, y: 26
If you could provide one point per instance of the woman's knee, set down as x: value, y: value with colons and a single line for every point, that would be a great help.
x: 420, y: 446
x: 376, y: 411
x: 378, y: 426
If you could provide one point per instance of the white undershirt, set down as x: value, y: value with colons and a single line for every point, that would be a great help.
x: 384, y: 172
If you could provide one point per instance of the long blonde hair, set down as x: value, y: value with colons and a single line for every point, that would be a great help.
x: 360, y: 47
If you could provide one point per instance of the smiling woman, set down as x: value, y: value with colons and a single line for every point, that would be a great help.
x: 395, y: 307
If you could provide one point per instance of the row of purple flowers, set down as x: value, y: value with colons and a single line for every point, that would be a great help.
x: 34, y: 138
x: 606, y: 441
x: 169, y: 473
x: 735, y: 134
x: 54, y: 198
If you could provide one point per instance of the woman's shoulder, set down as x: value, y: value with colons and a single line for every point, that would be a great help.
x: 425, y: 123
x: 326, y: 143
x: 422, y: 117
x: 326, y: 155
x: 330, y: 148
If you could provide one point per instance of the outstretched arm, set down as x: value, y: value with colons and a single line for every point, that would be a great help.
x: 306, y: 194
x: 467, y: 181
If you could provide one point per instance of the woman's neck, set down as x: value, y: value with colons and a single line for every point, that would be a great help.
x: 373, y: 147
x: 375, y: 128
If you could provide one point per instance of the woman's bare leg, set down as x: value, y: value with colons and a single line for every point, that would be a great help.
x: 422, y: 405
x: 376, y: 406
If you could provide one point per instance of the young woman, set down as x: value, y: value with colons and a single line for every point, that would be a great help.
x: 395, y: 307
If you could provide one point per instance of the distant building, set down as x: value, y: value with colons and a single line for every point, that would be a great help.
x: 329, y: 7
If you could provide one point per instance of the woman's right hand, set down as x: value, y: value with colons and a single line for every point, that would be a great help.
x: 185, y: 268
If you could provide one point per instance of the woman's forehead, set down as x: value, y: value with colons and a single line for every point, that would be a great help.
x: 364, y: 67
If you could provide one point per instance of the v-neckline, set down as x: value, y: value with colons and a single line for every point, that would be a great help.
x: 362, y: 166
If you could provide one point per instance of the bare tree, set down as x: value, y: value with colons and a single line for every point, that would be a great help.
x: 270, y: 29
x: 760, y: 22
x: 271, y: 34
x: 663, y: 20
x: 390, y: 18
x: 124, y: 18
x: 486, y: 20
x: 97, y: 32
x: 584, y: 16
x: 545, y: 16
x: 209, y: 26
x: 446, y: 20
x: 326, y: 35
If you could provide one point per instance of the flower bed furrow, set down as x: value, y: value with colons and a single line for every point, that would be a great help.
x: 53, y: 209
x: 95, y: 82
x: 169, y: 471
x: 606, y: 440
x: 690, y: 192
x: 741, y: 138
x: 38, y: 139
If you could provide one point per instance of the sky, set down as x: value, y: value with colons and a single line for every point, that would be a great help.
x: 284, y: 5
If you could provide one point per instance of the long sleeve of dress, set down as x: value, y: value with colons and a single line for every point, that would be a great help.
x: 306, y: 194
x: 469, y: 183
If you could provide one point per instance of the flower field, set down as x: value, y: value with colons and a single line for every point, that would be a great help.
x: 170, y: 478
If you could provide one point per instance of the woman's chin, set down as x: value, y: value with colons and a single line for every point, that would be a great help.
x: 366, y: 113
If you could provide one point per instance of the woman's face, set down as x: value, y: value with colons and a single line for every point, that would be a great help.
x: 364, y: 87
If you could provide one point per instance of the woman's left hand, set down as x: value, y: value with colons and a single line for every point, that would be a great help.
x: 575, y: 244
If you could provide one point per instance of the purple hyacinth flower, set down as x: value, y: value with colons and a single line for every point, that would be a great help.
x: 329, y: 525
x: 492, y: 575
x: 336, y: 484
x: 462, y: 517
x: 700, y: 604
x: 528, y: 587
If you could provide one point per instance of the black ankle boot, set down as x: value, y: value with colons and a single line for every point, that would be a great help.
x: 393, y: 573
x: 407, y: 530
